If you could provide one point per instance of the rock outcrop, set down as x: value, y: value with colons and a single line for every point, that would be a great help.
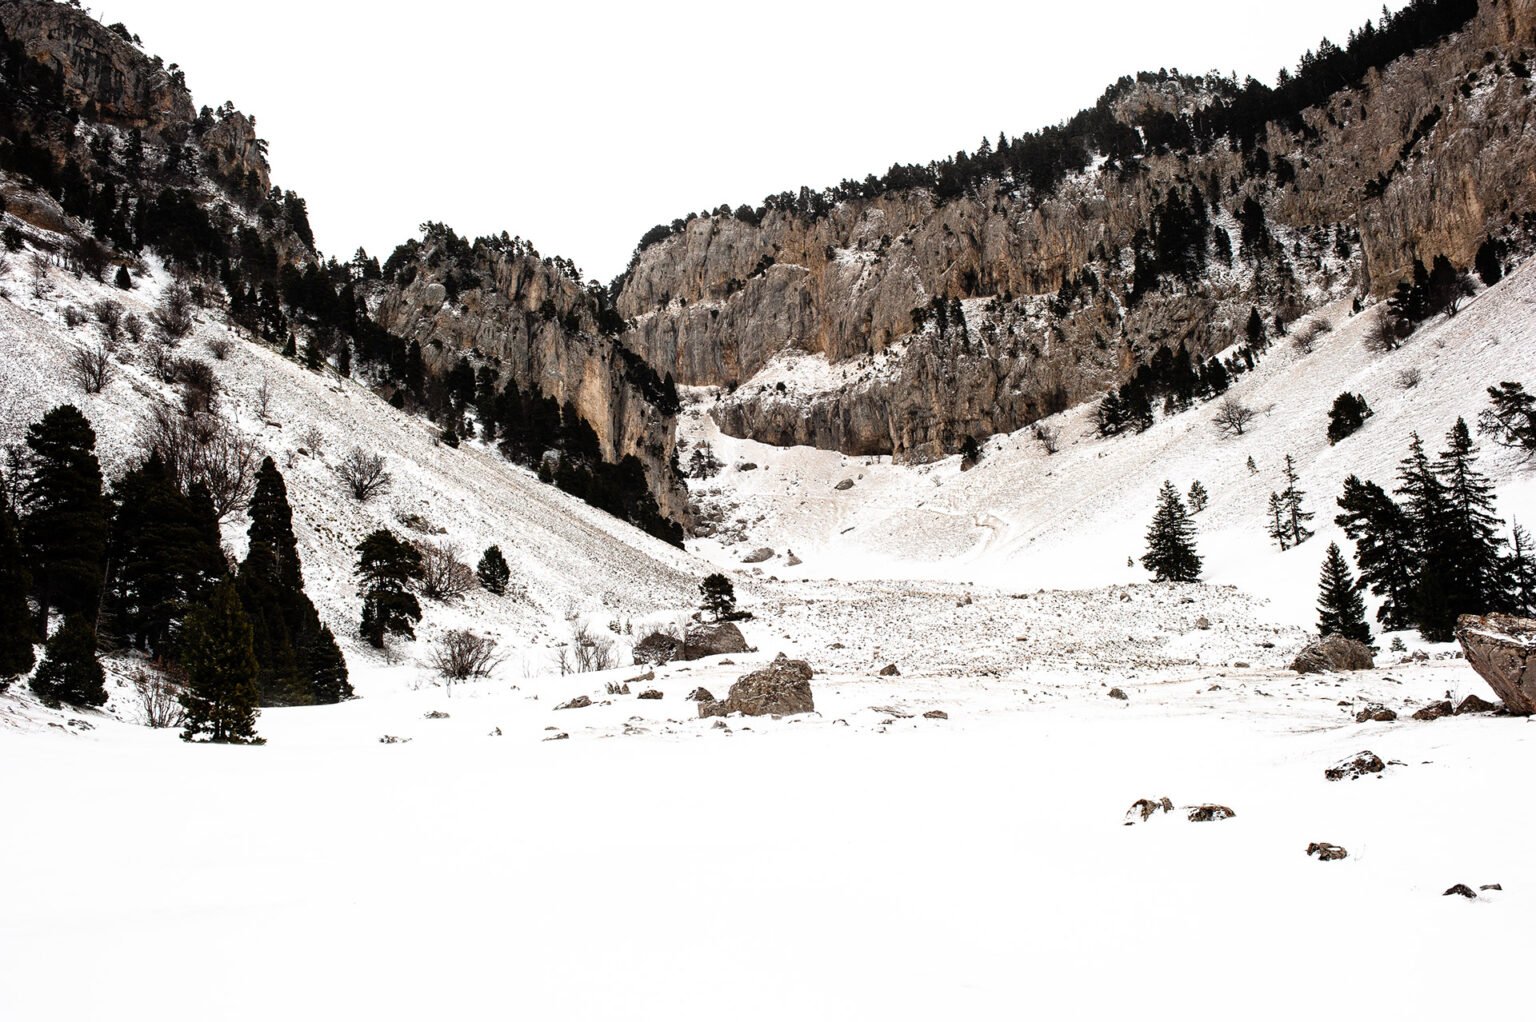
x: 780, y: 689
x: 1333, y: 653
x: 1502, y: 649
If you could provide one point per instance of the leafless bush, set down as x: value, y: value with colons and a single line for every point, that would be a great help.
x: 461, y: 654
x: 74, y: 316
x: 174, y: 313
x: 1049, y: 437
x: 1409, y: 378
x: 204, y: 449
x: 313, y: 439
x: 89, y: 256
x: 91, y: 367
x: 157, y: 689
x: 219, y: 345
x: 590, y: 652
x: 110, y: 315
x: 264, y: 400
x: 199, y: 385
x: 1304, y: 336
x: 37, y: 267
x: 1385, y: 332
x: 161, y: 355
x: 1232, y: 416
x: 444, y: 575
x: 364, y: 474
x: 134, y: 327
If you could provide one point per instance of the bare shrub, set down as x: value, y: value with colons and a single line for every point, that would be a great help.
x: 162, y: 358
x: 1304, y: 336
x: 133, y: 326
x: 1409, y: 378
x: 461, y: 654
x: 264, y: 400
x: 199, y: 385
x: 37, y: 269
x: 156, y: 690
x: 590, y: 652
x: 364, y: 474
x: 74, y: 316
x: 91, y: 367
x: 110, y: 315
x: 174, y: 313
x: 219, y: 345
x: 313, y: 439
x: 1385, y: 332
x: 1232, y: 416
x: 204, y: 450
x: 444, y: 574
x: 1049, y: 437
x: 90, y: 257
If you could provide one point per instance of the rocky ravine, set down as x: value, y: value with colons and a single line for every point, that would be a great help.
x: 714, y: 304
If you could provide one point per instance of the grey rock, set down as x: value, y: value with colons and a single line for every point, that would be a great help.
x: 1143, y: 809
x: 758, y: 556
x: 1208, y: 813
x: 706, y: 640
x: 1326, y: 852
x: 575, y: 704
x: 1333, y: 653
x: 1502, y: 649
x: 781, y: 688
x: 1357, y: 766
x: 1118, y: 693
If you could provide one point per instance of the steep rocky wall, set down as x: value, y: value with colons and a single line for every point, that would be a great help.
x: 714, y: 304
x: 535, y: 325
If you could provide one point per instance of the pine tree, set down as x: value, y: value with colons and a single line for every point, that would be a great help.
x: 1254, y: 331
x: 326, y: 668
x: 64, y: 517
x: 1522, y: 571
x: 1383, y: 538
x: 1198, y: 498
x: 16, y: 631
x: 493, y: 571
x: 1427, y: 508
x: 216, y: 653
x: 719, y: 596
x: 387, y: 570
x: 272, y: 524
x: 1470, y: 545
x: 1347, y: 415
x: 1340, y: 609
x: 1170, y: 555
x: 1295, y: 516
x: 1277, y: 528
x: 70, y: 672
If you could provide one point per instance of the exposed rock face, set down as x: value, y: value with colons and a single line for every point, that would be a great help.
x: 720, y: 301
x: 1502, y: 648
x: 1333, y: 653
x: 100, y: 71
x: 781, y: 688
x: 533, y: 322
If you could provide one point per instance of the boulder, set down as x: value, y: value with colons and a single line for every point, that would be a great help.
x: 1118, y: 693
x: 1358, y: 765
x: 649, y: 693
x: 783, y: 687
x: 657, y: 648
x: 1380, y: 714
x: 1502, y: 649
x: 889, y: 671
x: 1203, y: 623
x: 1208, y: 813
x: 845, y: 484
x: 1434, y: 711
x: 758, y: 556
x: 1461, y: 889
x: 701, y: 695
x: 936, y: 715
x: 576, y: 703
x: 436, y: 715
x: 1143, y: 809
x: 712, y: 640
x: 1326, y: 852
x: 1475, y: 704
x: 1333, y: 653
x: 712, y: 708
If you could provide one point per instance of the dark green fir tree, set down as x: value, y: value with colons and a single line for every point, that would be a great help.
x: 1170, y: 555
x: 216, y: 653
x: 1340, y: 608
x: 387, y: 573
x: 16, y: 629
x: 493, y: 572
x: 1384, y: 550
x: 64, y: 514
x: 70, y: 672
x: 719, y: 596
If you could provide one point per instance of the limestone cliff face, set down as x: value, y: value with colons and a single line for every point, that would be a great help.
x: 100, y: 71
x: 716, y: 303
x: 534, y: 324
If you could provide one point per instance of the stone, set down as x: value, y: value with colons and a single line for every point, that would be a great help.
x: 649, y: 693
x: 1358, y: 765
x: 936, y: 715
x: 1209, y: 813
x: 846, y: 484
x: 393, y: 740
x: 1434, y: 711
x: 712, y: 708
x: 1475, y: 704
x: 758, y: 556
x: 1461, y: 889
x: 1380, y: 714
x: 558, y: 736
x: 705, y: 640
x: 1118, y: 693
x: 1333, y: 653
x: 1491, y: 887
x: 782, y: 688
x: 437, y: 715
x: 701, y: 695
x: 889, y: 671
x: 1326, y: 852
x: 1501, y: 648
x: 575, y: 704
x: 1143, y: 809
x: 658, y: 648
x: 1203, y: 623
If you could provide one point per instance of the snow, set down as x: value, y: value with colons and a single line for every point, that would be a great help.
x: 861, y: 861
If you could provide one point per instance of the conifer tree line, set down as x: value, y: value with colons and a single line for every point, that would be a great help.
x: 135, y: 564
x: 1433, y: 549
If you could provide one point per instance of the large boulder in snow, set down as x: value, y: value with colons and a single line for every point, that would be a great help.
x: 758, y: 556
x: 657, y: 649
x: 1357, y: 766
x: 781, y: 688
x: 1333, y: 653
x: 1502, y: 648
x: 712, y: 640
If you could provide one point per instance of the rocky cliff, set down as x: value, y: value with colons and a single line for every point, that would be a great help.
x: 1431, y: 155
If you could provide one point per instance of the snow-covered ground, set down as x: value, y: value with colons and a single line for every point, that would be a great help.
x: 862, y: 861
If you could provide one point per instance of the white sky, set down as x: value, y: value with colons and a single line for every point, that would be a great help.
x: 581, y: 125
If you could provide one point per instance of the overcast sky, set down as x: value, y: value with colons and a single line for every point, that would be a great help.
x: 581, y: 125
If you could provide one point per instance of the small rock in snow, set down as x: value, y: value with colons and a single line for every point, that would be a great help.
x: 1358, y: 765
x: 1326, y: 852
x: 1118, y: 693
x: 1208, y: 813
x: 1461, y: 889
